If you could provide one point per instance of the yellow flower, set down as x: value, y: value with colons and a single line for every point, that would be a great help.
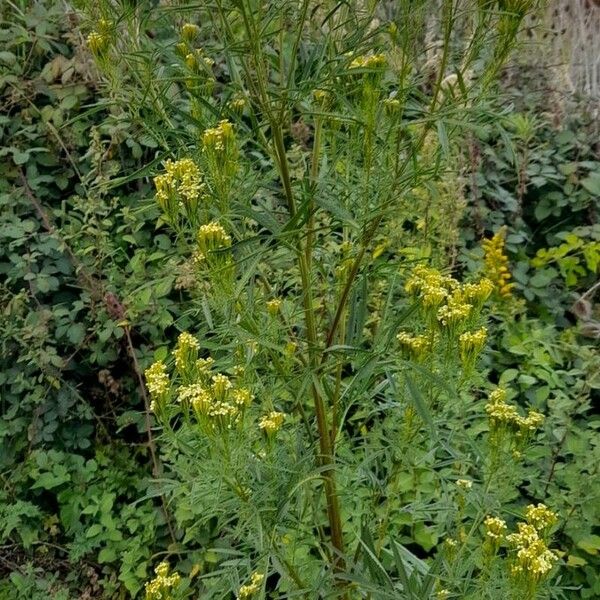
x: 221, y: 384
x: 464, y: 484
x: 417, y: 346
x: 533, y: 420
x: 497, y: 396
x: 495, y: 528
x: 186, y: 351
x: 98, y: 43
x: 212, y: 237
x: 496, y: 263
x: 540, y: 516
x: 533, y: 558
x: 372, y: 61
x: 237, y: 104
x: 220, y: 137
x: 161, y: 586
x: 502, y: 414
x: 273, y: 306
x: 272, y: 422
x: 242, y: 397
x: 479, y: 292
x: 392, y: 105
x: 454, y: 312
x: 181, y: 185
x: 190, y: 32
x: 157, y: 379
x: 249, y: 590
x: 471, y: 343
x: 194, y: 394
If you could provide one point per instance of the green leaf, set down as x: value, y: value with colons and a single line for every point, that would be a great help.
x: 592, y: 184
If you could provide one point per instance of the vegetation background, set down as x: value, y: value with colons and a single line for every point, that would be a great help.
x: 94, y: 288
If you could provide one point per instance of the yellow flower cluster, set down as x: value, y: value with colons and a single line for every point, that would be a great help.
x: 392, y: 105
x: 237, y: 104
x: 540, y: 516
x: 496, y: 263
x: 273, y: 306
x: 533, y: 558
x: 471, y: 343
x: 195, y: 60
x: 189, y: 32
x: 272, y: 422
x: 99, y: 41
x: 186, y: 351
x: 215, y: 400
x: 503, y: 415
x: 252, y: 588
x: 495, y: 528
x: 477, y: 293
x: 212, y: 237
x: 464, y: 484
x: 157, y: 381
x: 372, y: 61
x: 429, y: 285
x: 321, y: 96
x: 161, y: 586
x: 219, y: 138
x: 180, y: 183
x: 452, y: 303
x: 415, y: 346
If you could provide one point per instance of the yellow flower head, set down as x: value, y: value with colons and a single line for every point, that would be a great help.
x: 454, y: 312
x: 532, y: 558
x: 242, y: 397
x: 392, y: 105
x: 221, y: 384
x: 157, y: 379
x: 98, y: 43
x: 212, y: 237
x: 181, y: 185
x: 249, y: 590
x: 373, y: 61
x: 496, y: 263
x: 189, y: 32
x: 540, y: 516
x: 219, y: 138
x: 321, y: 96
x: 237, y: 104
x: 477, y: 293
x: 272, y: 422
x: 273, y: 306
x: 415, y: 346
x: 161, y: 586
x: 495, y: 528
x: 471, y: 343
x: 464, y: 484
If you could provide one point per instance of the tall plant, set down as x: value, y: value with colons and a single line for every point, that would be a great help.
x: 293, y: 138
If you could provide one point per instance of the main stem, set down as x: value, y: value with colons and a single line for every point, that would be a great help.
x: 326, y: 449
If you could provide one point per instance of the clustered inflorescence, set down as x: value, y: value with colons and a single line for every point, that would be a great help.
x: 251, y: 589
x: 217, y: 402
x: 219, y: 137
x: 181, y: 186
x: 372, y: 61
x: 505, y: 417
x: 160, y: 588
x: 450, y: 309
x: 496, y: 264
x: 99, y: 41
x: 529, y: 555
